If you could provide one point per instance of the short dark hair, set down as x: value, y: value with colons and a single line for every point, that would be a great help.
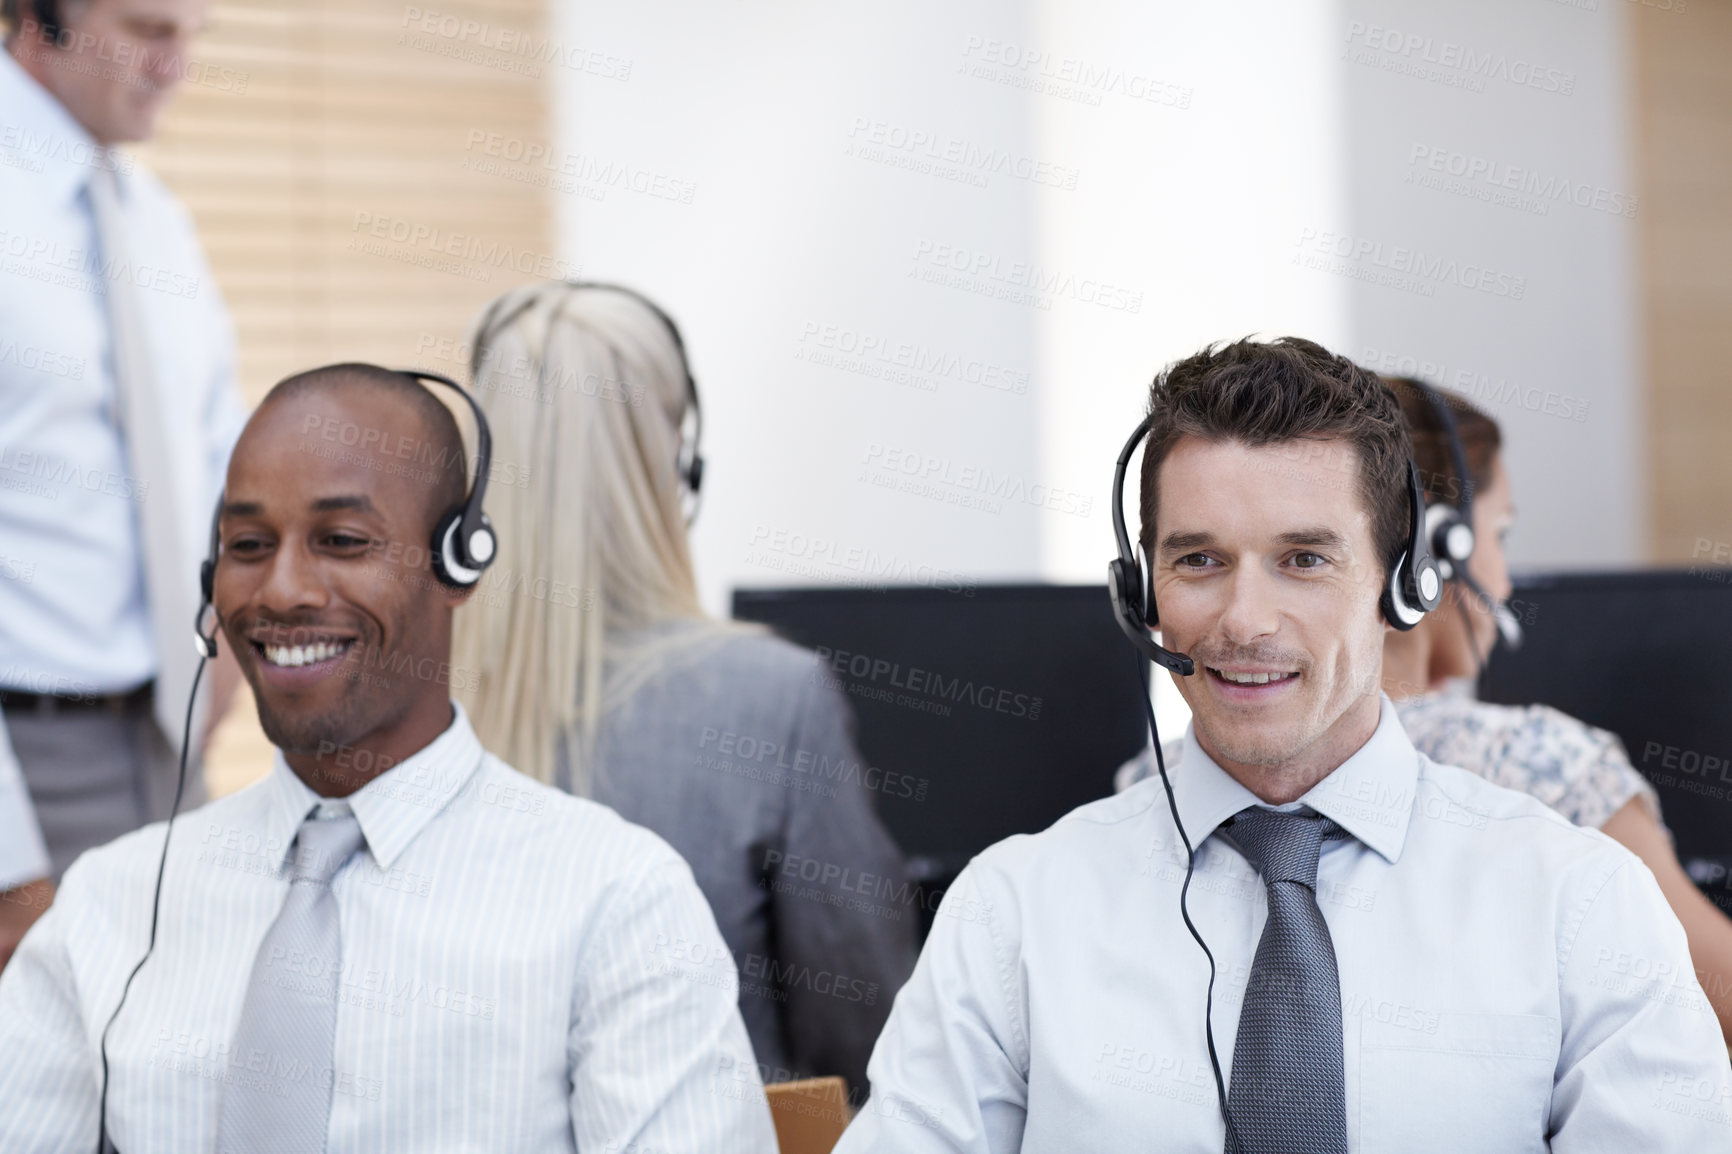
x: 443, y: 448
x: 45, y: 12
x: 1288, y: 389
x: 1479, y: 434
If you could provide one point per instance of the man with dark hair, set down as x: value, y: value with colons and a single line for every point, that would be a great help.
x: 117, y: 410
x: 1397, y: 956
x: 394, y: 941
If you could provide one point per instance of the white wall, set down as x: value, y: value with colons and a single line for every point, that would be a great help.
x: 1195, y: 197
x: 803, y: 231
x: 1103, y: 186
x: 1559, y: 367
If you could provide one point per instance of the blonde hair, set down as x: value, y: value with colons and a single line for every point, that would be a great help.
x: 585, y: 389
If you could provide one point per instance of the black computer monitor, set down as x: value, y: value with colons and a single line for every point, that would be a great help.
x: 1005, y: 706
x: 1647, y: 655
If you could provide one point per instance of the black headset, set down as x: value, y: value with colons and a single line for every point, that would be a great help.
x: 1413, y: 589
x: 463, y: 547
x: 1449, y: 524
x: 689, y: 461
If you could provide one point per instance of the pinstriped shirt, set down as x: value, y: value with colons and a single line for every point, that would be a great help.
x: 521, y: 970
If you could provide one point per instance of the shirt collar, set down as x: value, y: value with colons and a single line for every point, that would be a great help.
x: 36, y: 127
x: 392, y: 808
x: 1370, y: 795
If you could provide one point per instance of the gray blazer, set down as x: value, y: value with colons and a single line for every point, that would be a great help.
x: 744, y: 760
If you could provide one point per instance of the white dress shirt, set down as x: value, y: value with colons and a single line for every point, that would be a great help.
x: 73, y: 613
x: 1508, y: 980
x: 521, y: 970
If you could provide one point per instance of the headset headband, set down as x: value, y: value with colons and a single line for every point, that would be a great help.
x: 1412, y: 590
x: 1452, y: 528
x: 1457, y: 454
x: 463, y: 542
x: 1130, y: 581
x: 690, y: 462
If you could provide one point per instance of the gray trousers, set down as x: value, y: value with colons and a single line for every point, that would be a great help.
x: 96, y: 774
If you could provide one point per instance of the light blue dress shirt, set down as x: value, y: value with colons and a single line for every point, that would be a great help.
x: 521, y: 970
x: 1509, y: 982
x: 73, y: 617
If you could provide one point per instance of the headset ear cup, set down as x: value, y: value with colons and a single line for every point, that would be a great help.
x: 447, y: 555
x: 1146, y: 587
x: 1122, y: 587
x: 1397, y: 610
x: 482, y: 545
x: 1451, y: 539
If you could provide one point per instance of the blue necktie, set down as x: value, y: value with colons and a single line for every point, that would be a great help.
x: 1287, y: 1095
x: 276, y: 1096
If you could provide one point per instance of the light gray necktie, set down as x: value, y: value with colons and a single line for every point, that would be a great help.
x: 1286, y: 1094
x: 170, y: 572
x: 276, y: 1096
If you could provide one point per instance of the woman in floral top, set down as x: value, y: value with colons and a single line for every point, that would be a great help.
x: 1582, y: 772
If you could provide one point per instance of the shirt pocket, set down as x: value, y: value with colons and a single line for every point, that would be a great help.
x: 1479, y: 1081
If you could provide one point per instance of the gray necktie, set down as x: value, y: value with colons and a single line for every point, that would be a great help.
x: 170, y: 571
x: 1286, y: 1095
x: 277, y: 1091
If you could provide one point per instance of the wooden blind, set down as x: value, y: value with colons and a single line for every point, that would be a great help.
x: 1683, y: 95
x: 365, y: 176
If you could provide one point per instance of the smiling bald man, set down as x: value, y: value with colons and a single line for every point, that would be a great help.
x: 394, y: 941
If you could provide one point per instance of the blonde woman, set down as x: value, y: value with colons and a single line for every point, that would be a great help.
x: 589, y: 664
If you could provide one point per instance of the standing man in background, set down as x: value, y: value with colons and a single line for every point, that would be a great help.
x: 117, y: 412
